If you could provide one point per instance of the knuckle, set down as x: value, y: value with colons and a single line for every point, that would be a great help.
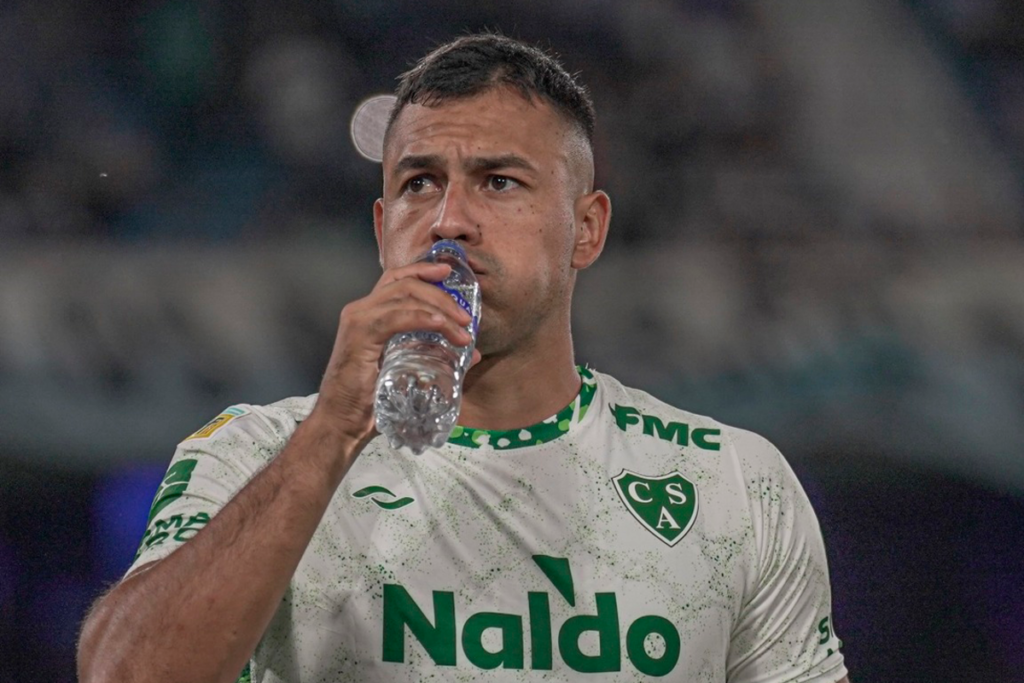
x: 399, y: 290
x: 376, y: 326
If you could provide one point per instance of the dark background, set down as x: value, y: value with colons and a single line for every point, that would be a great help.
x: 817, y: 235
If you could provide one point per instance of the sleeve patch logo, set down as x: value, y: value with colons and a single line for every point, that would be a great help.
x: 216, y: 423
x: 174, y: 484
x: 665, y: 505
x: 171, y: 489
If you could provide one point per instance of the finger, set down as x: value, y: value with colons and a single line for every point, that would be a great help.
x: 394, y: 318
x: 409, y: 291
x: 428, y: 272
x: 455, y: 333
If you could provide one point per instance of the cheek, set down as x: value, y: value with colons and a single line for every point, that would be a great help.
x: 560, y: 238
x: 396, y: 247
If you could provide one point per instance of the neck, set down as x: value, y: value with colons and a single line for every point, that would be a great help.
x: 520, y: 389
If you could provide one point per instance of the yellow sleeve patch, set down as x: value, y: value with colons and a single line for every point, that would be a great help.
x: 216, y: 423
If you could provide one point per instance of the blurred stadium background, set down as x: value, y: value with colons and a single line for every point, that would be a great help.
x: 817, y: 235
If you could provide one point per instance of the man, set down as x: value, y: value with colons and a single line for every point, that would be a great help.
x: 571, y: 528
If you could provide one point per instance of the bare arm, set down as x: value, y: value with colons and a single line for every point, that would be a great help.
x: 198, y: 614
x: 214, y: 596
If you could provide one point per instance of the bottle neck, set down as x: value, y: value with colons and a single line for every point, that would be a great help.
x: 450, y: 248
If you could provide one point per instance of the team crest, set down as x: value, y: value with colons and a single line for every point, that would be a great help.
x: 665, y: 505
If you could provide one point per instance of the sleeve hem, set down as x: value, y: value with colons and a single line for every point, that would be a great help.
x: 151, y: 556
x: 833, y: 675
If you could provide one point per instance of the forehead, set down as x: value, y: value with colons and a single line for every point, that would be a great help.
x: 498, y: 121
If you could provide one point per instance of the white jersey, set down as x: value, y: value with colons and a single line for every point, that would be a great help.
x: 618, y: 540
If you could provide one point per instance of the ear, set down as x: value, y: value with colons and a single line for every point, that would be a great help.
x: 593, y: 214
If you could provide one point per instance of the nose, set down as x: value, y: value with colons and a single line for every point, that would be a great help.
x: 455, y: 219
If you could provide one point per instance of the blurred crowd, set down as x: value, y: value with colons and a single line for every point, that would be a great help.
x: 985, y: 39
x: 174, y: 120
x: 186, y: 119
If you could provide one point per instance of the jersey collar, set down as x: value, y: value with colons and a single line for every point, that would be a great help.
x: 542, y: 432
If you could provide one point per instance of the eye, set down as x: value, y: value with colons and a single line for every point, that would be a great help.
x: 501, y: 183
x: 419, y: 184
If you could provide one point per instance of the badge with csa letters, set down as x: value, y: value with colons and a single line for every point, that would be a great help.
x: 665, y: 505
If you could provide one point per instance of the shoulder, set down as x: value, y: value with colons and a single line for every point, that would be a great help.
x: 636, y: 411
x: 250, y: 424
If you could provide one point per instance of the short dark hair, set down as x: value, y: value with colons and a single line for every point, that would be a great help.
x: 474, y: 64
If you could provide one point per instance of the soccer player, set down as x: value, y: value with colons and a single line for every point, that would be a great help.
x: 571, y: 528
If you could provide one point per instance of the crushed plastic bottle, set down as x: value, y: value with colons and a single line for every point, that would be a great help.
x: 419, y: 389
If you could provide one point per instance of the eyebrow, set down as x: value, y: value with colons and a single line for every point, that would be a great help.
x: 479, y: 164
x: 472, y: 165
x: 418, y: 162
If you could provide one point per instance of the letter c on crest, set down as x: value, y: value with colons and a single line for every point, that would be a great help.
x: 636, y: 496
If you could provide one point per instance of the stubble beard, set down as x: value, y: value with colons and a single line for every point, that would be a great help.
x: 519, y: 324
x: 527, y: 327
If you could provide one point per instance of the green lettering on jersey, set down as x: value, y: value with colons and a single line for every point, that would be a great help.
x: 606, y: 624
x: 172, y: 487
x: 680, y: 432
x: 673, y: 430
x: 510, y: 656
x: 639, y: 631
x: 166, y: 524
x: 825, y: 631
x: 700, y: 439
x: 540, y: 631
x: 160, y: 530
x: 827, y: 634
x: 438, y: 638
x: 625, y: 416
x: 559, y: 573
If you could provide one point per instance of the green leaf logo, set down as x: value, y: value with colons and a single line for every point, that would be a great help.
x: 173, y: 486
x: 387, y: 505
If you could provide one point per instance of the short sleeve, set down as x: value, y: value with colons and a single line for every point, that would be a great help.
x: 207, y: 470
x: 784, y: 631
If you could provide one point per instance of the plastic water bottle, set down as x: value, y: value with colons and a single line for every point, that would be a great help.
x: 419, y: 389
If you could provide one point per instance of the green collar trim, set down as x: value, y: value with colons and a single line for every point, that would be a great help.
x: 542, y: 432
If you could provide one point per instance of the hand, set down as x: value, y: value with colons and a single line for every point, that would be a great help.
x: 403, y: 300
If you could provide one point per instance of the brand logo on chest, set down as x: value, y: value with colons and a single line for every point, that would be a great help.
x: 381, y: 497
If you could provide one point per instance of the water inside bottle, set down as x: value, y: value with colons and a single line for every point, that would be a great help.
x: 418, y: 399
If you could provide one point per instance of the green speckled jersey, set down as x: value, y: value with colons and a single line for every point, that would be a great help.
x: 619, y: 540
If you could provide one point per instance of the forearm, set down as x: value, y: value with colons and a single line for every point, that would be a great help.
x: 198, y: 614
